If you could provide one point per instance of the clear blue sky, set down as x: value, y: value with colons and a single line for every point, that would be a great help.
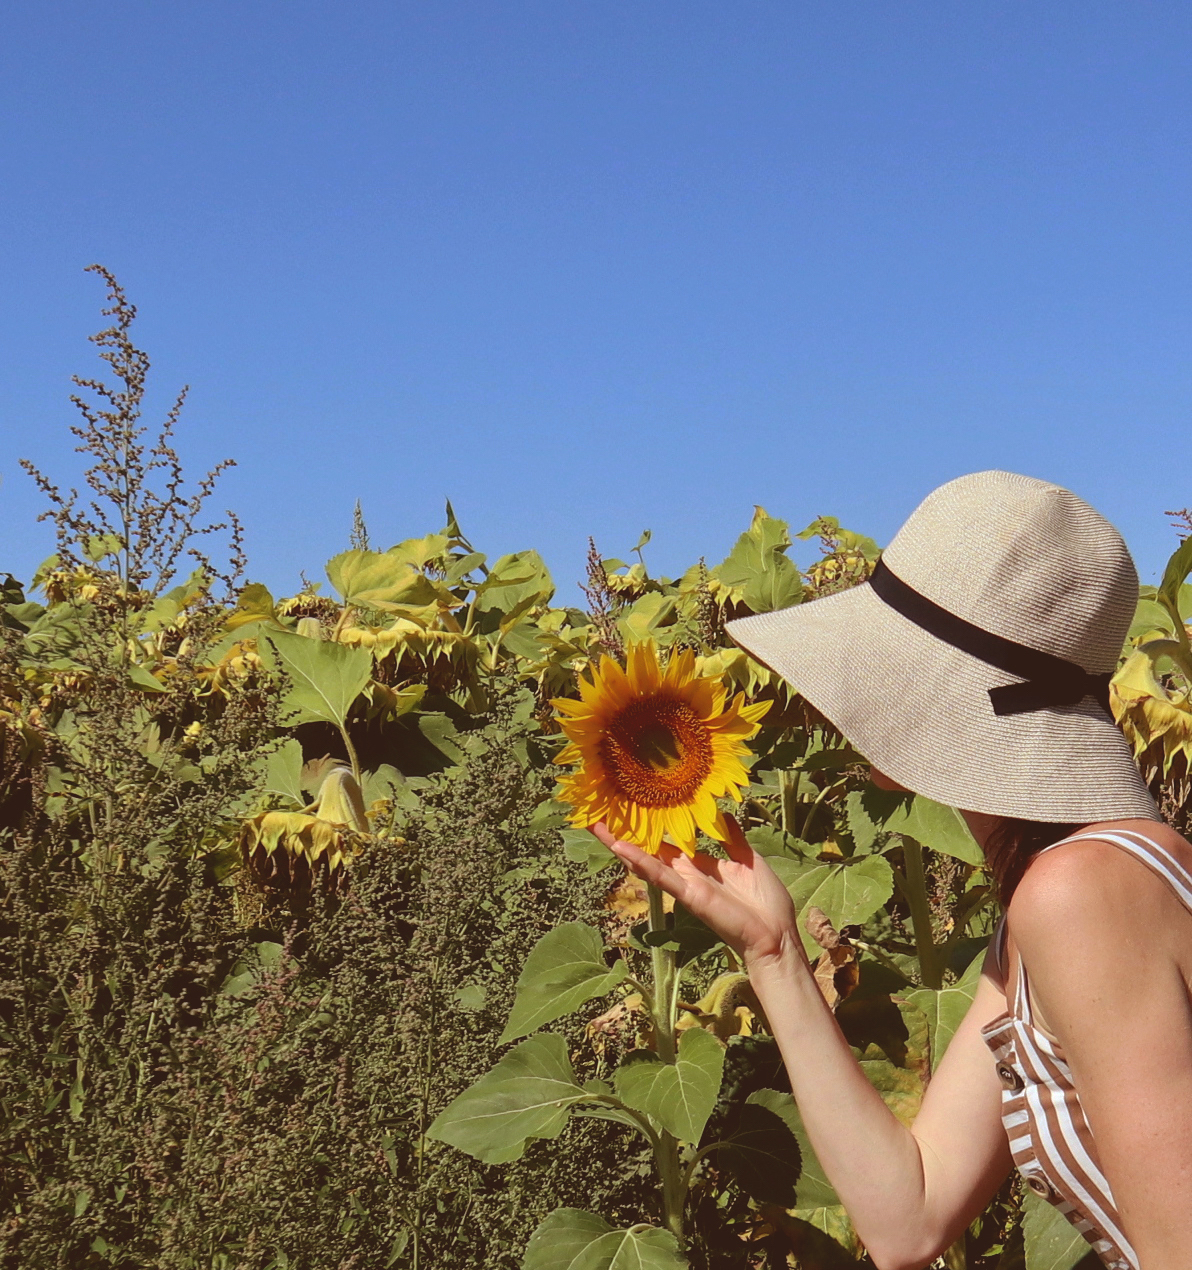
x: 589, y: 268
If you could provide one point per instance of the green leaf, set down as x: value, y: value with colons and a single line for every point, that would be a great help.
x: 766, y: 840
x: 1050, y: 1240
x: 379, y: 579
x: 644, y: 618
x: 946, y: 1008
x: 251, y: 967
x: 846, y: 539
x: 101, y: 546
x: 529, y: 1094
x: 758, y: 569
x: 325, y: 678
x: 940, y: 828
x: 139, y: 677
x: 900, y: 1088
x: 679, y: 1095
x: 849, y: 893
x: 813, y: 1190
x: 442, y: 733
x: 385, y: 782
x: 582, y: 847
x: 515, y: 583
x: 1174, y: 576
x: 471, y: 996
x: 548, y: 814
x: 283, y: 772
x: 685, y: 934
x: 565, y: 968
x: 570, y: 1239
x: 763, y: 1149
x: 1150, y: 616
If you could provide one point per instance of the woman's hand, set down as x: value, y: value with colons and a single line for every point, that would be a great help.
x: 739, y: 898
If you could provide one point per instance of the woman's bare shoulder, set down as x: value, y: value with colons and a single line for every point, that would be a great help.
x: 1093, y: 890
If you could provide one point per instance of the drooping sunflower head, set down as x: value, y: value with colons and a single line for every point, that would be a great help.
x: 653, y: 749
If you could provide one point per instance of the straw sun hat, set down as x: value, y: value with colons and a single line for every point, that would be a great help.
x: 974, y: 665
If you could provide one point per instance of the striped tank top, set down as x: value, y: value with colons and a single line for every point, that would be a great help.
x: 1050, y: 1140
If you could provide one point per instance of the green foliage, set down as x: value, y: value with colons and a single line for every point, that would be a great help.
x: 565, y: 969
x: 1050, y: 1241
x: 529, y: 1094
x: 763, y: 1149
x: 209, y: 1063
x: 325, y: 679
x: 571, y: 1239
x: 679, y: 1095
x: 849, y: 892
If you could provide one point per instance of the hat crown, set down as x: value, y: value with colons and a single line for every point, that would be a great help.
x: 1024, y: 559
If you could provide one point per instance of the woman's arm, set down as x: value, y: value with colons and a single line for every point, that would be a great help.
x: 910, y: 1193
x: 1106, y: 945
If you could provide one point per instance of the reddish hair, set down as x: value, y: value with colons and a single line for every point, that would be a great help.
x: 1014, y: 844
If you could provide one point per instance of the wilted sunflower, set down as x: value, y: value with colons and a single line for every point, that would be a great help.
x: 654, y: 749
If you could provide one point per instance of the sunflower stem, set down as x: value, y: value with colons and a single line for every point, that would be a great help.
x: 665, y: 991
x: 662, y: 963
x: 913, y: 885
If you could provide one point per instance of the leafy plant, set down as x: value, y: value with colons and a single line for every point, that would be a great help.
x: 299, y: 969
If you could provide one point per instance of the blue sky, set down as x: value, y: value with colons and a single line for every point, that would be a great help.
x: 588, y: 268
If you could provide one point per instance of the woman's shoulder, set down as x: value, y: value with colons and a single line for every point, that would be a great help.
x: 1095, y: 890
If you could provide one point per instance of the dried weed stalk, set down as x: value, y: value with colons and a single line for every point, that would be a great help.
x: 145, y: 530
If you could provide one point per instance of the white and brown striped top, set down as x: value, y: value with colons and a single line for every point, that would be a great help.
x: 1050, y: 1139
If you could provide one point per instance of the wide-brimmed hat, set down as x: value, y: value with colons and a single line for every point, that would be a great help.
x: 974, y: 665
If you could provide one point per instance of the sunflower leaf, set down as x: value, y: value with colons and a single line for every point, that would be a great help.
x: 763, y: 1150
x: 570, y: 1239
x: 1177, y: 570
x: 565, y: 968
x: 874, y: 811
x: 581, y: 846
x: 379, y: 579
x: 946, y: 1008
x: 1051, y: 1241
x: 848, y: 893
x: 283, y: 772
x: 757, y: 569
x: 529, y: 1094
x: 679, y: 1095
x: 325, y: 678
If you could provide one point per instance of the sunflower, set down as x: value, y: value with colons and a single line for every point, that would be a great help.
x: 654, y: 749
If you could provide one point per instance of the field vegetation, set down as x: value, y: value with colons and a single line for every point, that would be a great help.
x: 301, y: 966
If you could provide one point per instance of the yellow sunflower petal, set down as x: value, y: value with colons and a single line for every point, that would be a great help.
x: 568, y: 705
x: 642, y: 669
x: 652, y: 749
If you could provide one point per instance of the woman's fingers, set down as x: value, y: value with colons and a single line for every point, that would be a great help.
x: 670, y: 869
x: 653, y: 868
x: 736, y: 844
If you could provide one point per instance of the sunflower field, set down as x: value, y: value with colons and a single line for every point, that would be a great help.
x: 308, y: 960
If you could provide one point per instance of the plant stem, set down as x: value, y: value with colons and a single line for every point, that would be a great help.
x: 665, y: 989
x: 789, y: 784
x: 341, y: 622
x: 913, y: 885
x: 662, y: 964
x: 352, y: 757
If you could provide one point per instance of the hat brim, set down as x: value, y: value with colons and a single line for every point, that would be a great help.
x: 919, y: 710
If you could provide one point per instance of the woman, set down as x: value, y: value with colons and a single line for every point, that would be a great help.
x: 974, y: 669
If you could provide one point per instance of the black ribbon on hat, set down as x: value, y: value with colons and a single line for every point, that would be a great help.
x: 1050, y: 680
